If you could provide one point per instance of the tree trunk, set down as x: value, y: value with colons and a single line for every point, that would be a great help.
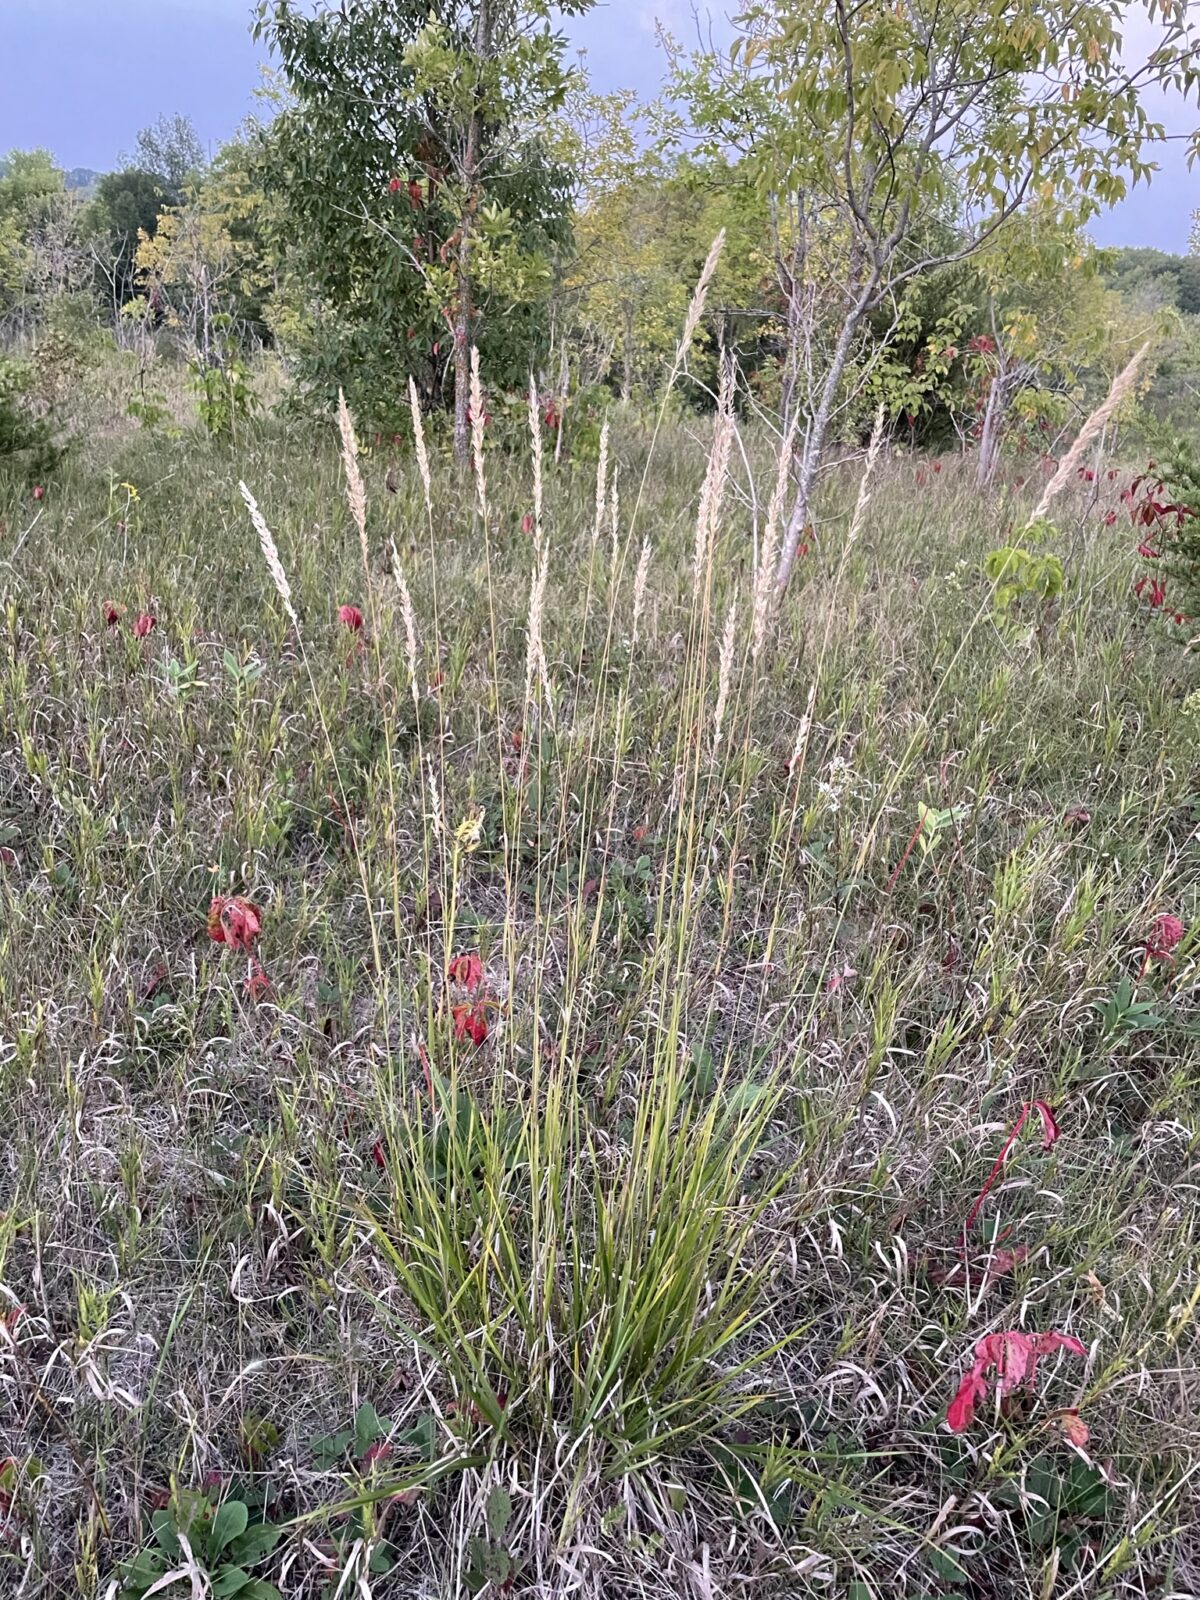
x: 627, y: 355
x: 989, y: 439
x: 814, y: 440
x: 464, y: 310
x: 1006, y: 385
x: 462, y: 355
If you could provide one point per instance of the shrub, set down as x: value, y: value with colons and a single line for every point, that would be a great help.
x: 23, y: 435
x: 1169, y: 515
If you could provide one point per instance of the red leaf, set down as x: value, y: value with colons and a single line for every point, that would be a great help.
x: 1004, y: 1261
x: 1050, y: 1133
x: 1050, y: 1129
x: 258, y: 985
x: 234, y: 921
x: 961, y: 1412
x: 1008, y: 1360
x: 1166, y: 932
x: 467, y: 970
x: 470, y: 1022
x: 1073, y: 1428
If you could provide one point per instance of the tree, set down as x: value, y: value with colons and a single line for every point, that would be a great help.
x: 1044, y: 320
x: 126, y: 207
x: 641, y: 242
x: 31, y: 185
x: 208, y: 269
x: 420, y: 195
x: 170, y: 150
x: 907, y: 136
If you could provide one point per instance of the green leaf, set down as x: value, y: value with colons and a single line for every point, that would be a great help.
x: 368, y: 1428
x: 499, y: 1511
x: 945, y: 1566
x: 423, y: 1435
x: 228, y: 1524
x: 145, y: 1568
x: 258, y: 1541
x: 329, y: 1448
x: 744, y: 1097
x: 230, y: 1581
x: 164, y: 1531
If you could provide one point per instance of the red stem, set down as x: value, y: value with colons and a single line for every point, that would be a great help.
x: 995, y: 1172
x: 425, y: 1070
x: 908, y: 850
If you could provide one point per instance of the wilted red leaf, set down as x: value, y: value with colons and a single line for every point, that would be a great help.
x: 838, y: 977
x: 467, y: 970
x: 1050, y: 1133
x: 1008, y: 1360
x: 154, y: 980
x: 258, y: 985
x: 1050, y: 1129
x: 1072, y: 1427
x: 470, y: 1022
x: 234, y: 921
x: 1003, y: 1262
x: 1166, y: 932
x: 985, y: 1269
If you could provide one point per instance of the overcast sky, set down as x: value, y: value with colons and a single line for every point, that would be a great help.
x: 81, y: 76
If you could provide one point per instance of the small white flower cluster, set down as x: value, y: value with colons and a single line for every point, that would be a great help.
x: 836, y: 782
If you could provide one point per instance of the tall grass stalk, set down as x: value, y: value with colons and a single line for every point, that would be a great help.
x: 560, y: 1281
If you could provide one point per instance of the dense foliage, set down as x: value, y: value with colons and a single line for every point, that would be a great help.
x: 419, y: 203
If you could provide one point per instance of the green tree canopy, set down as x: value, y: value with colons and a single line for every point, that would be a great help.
x: 30, y: 183
x: 126, y: 206
x: 170, y: 150
x: 420, y: 197
x: 881, y: 126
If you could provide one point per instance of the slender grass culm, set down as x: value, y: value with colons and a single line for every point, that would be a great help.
x: 582, y: 1285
